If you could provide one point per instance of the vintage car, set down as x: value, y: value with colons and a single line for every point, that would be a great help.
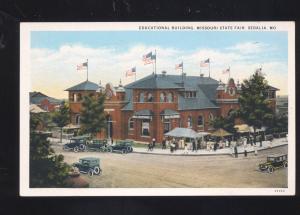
x: 274, y: 162
x: 88, y: 165
x: 99, y: 145
x: 123, y: 146
x: 76, y: 144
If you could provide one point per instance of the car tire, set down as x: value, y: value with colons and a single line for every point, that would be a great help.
x: 96, y: 170
x: 270, y: 169
x: 128, y: 149
x: 82, y: 147
x: 75, y: 149
x: 285, y: 165
x: 90, y: 172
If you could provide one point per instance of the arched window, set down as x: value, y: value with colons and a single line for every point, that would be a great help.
x: 77, y: 119
x: 141, y: 97
x: 162, y: 97
x: 170, y: 97
x: 189, y: 122
x: 131, y: 124
x: 75, y: 97
x: 149, y: 97
x: 79, y: 97
x: 200, y: 121
x: 211, y: 117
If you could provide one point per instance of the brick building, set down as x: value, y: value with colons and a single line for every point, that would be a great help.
x: 157, y: 103
x: 45, y: 102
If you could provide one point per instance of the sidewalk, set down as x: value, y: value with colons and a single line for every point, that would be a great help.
x: 227, y: 151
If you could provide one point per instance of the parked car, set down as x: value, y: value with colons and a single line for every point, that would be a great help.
x: 274, y: 162
x: 99, y: 145
x: 76, y: 144
x: 124, y: 146
x: 88, y: 165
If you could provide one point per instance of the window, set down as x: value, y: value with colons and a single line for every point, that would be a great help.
x: 131, y: 124
x: 141, y: 97
x: 190, y: 94
x: 200, y: 121
x: 145, y: 127
x: 167, y: 125
x: 150, y: 97
x: 170, y: 97
x: 211, y: 117
x: 79, y: 97
x: 189, y: 122
x: 162, y: 97
x: 271, y: 94
x: 77, y: 119
x: 75, y: 97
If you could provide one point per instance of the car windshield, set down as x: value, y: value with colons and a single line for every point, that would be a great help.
x: 271, y: 159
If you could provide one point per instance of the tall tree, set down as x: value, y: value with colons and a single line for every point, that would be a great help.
x: 92, y: 118
x: 62, y: 117
x: 46, y: 168
x: 254, y: 104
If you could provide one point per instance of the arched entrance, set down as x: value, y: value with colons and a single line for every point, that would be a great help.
x: 109, y: 129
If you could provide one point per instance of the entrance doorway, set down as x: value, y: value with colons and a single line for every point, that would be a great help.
x: 109, y: 129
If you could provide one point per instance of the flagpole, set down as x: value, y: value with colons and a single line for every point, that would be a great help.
x: 209, y: 68
x: 229, y: 72
x: 87, y: 69
x: 155, y: 61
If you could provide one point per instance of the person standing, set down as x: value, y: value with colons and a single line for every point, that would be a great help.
x: 245, y: 152
x: 235, y: 151
x: 255, y: 150
x: 260, y: 140
x: 185, y: 149
x: 153, y: 143
x: 194, y: 145
x: 164, y: 143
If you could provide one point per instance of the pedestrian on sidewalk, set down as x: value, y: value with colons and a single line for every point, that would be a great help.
x: 260, y: 141
x: 186, y: 151
x: 245, y: 152
x: 236, y: 152
x: 255, y: 150
x: 194, y: 145
x: 153, y: 143
x: 163, y: 143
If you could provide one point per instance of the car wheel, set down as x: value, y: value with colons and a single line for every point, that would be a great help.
x: 123, y: 151
x: 128, y: 149
x: 75, y: 149
x: 82, y: 147
x: 285, y: 165
x: 270, y: 169
x: 91, y: 172
x: 109, y: 149
x: 96, y: 170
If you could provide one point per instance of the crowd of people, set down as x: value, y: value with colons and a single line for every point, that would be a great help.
x: 211, y: 144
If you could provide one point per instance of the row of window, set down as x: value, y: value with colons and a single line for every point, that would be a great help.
x: 167, y: 124
x: 149, y: 97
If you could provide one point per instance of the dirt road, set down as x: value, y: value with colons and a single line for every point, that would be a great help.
x: 158, y: 171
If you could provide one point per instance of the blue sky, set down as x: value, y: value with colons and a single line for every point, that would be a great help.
x: 242, y: 51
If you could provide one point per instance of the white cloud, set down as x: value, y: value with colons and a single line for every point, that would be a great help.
x: 53, y: 71
x: 249, y: 47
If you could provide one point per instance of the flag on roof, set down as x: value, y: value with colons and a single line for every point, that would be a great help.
x: 179, y: 66
x: 148, y: 58
x: 82, y: 66
x: 226, y: 70
x: 131, y: 72
x: 204, y: 63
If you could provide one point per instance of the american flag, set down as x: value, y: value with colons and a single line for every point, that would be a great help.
x: 204, y: 63
x: 82, y: 66
x: 179, y: 66
x: 226, y: 70
x: 148, y: 58
x: 131, y: 72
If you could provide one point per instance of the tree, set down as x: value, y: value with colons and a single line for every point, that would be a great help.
x: 61, y: 118
x: 226, y: 123
x: 46, y: 168
x: 92, y: 118
x: 254, y: 105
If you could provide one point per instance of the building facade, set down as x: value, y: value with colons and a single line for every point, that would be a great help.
x: 158, y: 103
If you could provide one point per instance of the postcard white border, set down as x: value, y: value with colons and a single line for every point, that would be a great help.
x: 26, y: 28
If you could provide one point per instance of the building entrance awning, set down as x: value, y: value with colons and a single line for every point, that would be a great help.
x: 143, y: 114
x: 170, y: 114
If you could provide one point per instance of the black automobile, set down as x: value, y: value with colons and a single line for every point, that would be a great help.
x: 99, y: 145
x: 76, y: 144
x: 88, y: 165
x: 274, y: 162
x: 123, y: 146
